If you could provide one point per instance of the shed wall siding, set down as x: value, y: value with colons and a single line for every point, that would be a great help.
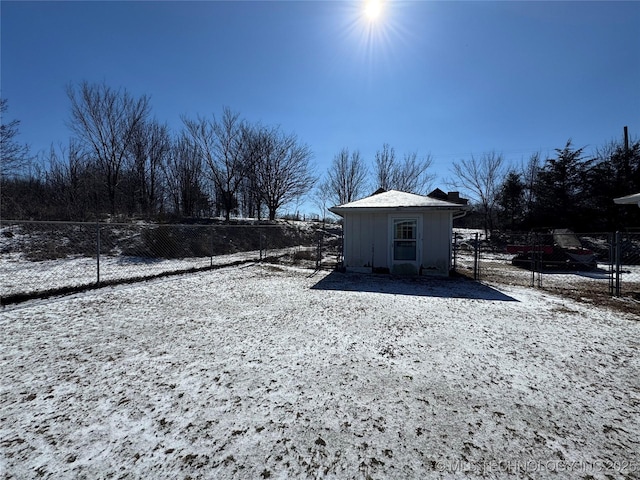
x: 352, y: 244
x: 367, y: 241
x: 380, y: 240
x: 436, y: 244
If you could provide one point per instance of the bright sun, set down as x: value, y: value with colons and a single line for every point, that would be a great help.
x: 373, y: 9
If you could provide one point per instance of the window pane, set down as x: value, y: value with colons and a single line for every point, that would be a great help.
x: 405, y: 230
x: 404, y: 250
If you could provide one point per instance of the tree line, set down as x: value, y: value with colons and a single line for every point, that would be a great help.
x: 568, y: 189
x: 120, y: 161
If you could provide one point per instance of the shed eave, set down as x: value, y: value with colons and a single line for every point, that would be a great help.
x: 628, y: 200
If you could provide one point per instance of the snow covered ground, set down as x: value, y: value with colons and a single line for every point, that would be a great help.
x: 497, y: 267
x: 23, y: 276
x: 276, y: 372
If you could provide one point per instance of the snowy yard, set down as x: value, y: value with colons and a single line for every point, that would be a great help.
x: 20, y: 276
x: 273, y: 372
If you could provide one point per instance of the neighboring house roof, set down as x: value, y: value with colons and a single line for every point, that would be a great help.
x: 396, y: 200
x: 453, y: 197
x: 437, y: 193
x: 629, y: 200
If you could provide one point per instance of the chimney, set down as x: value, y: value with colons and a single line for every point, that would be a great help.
x: 454, y: 197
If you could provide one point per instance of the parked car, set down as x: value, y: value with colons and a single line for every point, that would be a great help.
x: 560, y: 249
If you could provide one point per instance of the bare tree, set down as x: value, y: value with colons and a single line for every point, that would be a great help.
x: 385, y: 161
x: 150, y: 149
x: 482, y: 178
x: 13, y: 156
x: 70, y: 180
x: 184, y: 178
x: 105, y: 121
x: 322, y: 199
x: 283, y: 170
x: 230, y: 167
x: 346, y: 178
x: 220, y: 143
x: 200, y: 135
x: 253, y: 140
x: 410, y: 175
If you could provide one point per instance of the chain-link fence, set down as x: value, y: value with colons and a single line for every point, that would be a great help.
x: 466, y: 252
x: 596, y: 263
x: 42, y: 258
x: 626, y: 264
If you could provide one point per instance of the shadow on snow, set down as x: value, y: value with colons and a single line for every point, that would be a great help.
x: 416, y: 286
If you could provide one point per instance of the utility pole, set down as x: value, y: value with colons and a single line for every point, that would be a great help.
x: 626, y: 139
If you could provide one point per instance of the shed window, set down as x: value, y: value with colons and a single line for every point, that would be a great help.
x: 404, y: 239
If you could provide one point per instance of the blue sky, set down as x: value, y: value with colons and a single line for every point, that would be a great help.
x: 448, y: 79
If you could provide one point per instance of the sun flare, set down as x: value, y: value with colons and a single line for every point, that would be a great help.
x: 373, y: 9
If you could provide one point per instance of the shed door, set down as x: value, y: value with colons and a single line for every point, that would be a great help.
x: 405, y: 238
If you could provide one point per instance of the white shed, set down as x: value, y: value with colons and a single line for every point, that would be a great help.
x: 398, y: 232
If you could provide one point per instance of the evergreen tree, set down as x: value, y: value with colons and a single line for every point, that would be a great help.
x: 560, y: 190
x: 616, y: 173
x: 511, y: 201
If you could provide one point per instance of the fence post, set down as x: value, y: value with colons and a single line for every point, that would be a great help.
x: 542, y: 243
x: 532, y: 258
x: 612, y: 256
x: 260, y: 237
x: 319, y: 251
x: 476, y: 258
x: 618, y: 260
x: 211, y: 246
x: 455, y: 252
x: 341, y: 250
x: 98, y: 252
x: 539, y: 257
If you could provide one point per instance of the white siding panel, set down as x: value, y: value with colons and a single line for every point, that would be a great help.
x: 436, y: 247
x: 354, y: 256
x: 366, y: 240
x: 358, y: 240
x: 381, y: 247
